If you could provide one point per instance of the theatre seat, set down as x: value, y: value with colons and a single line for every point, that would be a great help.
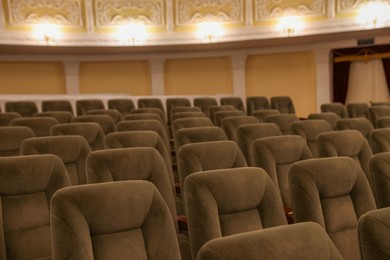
x: 106, y: 122
x: 57, y: 105
x: 254, y: 103
x: 63, y: 117
x: 83, y: 105
x: 330, y: 117
x: 234, y: 101
x: 198, y: 134
x: 113, y: 113
x: 283, y: 103
x: 11, y: 137
x: 24, y: 108
x: 358, y: 110
x: 39, y: 125
x: 6, y: 118
x: 124, y: 106
x: 190, y: 122
x: 363, y: 125
x: 380, y: 173
x: 204, y: 103
x: 338, y: 108
x: 118, y: 220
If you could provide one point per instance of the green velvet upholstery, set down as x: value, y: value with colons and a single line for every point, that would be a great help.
x: 216, y: 108
x: 204, y: 103
x: 374, y: 234
x: 295, y: 242
x: 39, y: 125
x: 234, y: 101
x: 176, y: 102
x: 24, y: 108
x: 62, y: 117
x: 334, y: 193
x: 6, y: 117
x: 11, y: 137
x: 198, y: 134
x: 262, y: 115
x: 106, y: 122
x: 336, y: 107
x: 376, y: 112
x: 72, y: 149
x: 154, y: 110
x: 380, y: 173
x: 83, y: 105
x: 358, y: 110
x: 197, y: 157
x: 231, y: 123
x: 57, y: 105
x: 330, y: 117
x: 309, y: 131
x: 349, y: 143
x: 284, y: 122
x: 383, y: 122
x: 363, y: 125
x: 254, y: 103
x: 220, y: 115
x: 247, y: 134
x: 123, y: 105
x: 191, y: 122
x: 230, y: 201
x: 118, y: 220
x: 283, y: 103
x: 92, y: 132
x: 113, y: 113
x: 379, y: 140
x: 275, y: 155
x: 27, y: 184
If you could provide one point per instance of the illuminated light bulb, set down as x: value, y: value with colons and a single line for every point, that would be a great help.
x: 290, y: 24
x: 210, y: 30
x: 135, y: 33
x: 374, y: 13
x: 48, y: 32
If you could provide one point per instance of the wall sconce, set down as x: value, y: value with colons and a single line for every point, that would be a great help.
x: 47, y: 32
x: 210, y: 31
x: 135, y: 33
x: 374, y: 13
x: 290, y: 24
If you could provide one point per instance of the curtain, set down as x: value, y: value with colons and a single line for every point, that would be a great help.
x: 367, y: 82
x: 386, y: 67
x: 340, y: 81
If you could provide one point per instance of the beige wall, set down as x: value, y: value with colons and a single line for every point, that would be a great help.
x: 32, y: 78
x: 119, y: 77
x: 292, y: 74
x: 198, y: 76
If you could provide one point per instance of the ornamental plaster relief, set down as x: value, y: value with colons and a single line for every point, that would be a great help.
x: 63, y: 12
x: 114, y: 12
x: 194, y: 11
x: 344, y: 6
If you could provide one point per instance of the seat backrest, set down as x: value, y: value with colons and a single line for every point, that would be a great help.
x: 6, y: 118
x: 283, y: 103
x: 225, y: 202
x: 106, y: 122
x: 179, y: 115
x: 11, y: 137
x: 374, y: 234
x: 198, y: 134
x: 234, y: 101
x: 124, y: 106
x: 380, y: 173
x: 72, y: 149
x: 376, y: 112
x: 149, y: 110
x: 92, y: 132
x: 179, y: 109
x: 334, y: 193
x: 363, y: 125
x: 247, y: 134
x: 283, y: 121
x: 83, y: 105
x: 57, y: 105
x: 214, y: 109
x: 383, y: 122
x: 137, y: 163
x: 275, y: 155
x: 62, y: 117
x: 349, y: 143
x: 150, y: 103
x: 39, y: 125
x: 204, y: 103
x: 128, y: 139
x: 309, y: 131
x: 358, y: 110
x: 27, y: 184
x: 113, y: 113
x: 274, y: 243
x: 118, y: 220
x: 191, y: 122
x: 175, y: 102
x: 330, y: 117
x: 262, y: 115
x: 231, y: 123
x: 256, y: 103
x: 379, y: 140
x: 220, y: 115
x: 335, y: 107
x: 24, y: 108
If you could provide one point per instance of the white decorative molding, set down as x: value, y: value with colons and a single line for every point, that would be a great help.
x: 170, y: 18
x: 89, y: 15
x: 269, y: 9
x: 63, y: 12
x: 344, y: 6
x: 195, y: 11
x: 115, y: 12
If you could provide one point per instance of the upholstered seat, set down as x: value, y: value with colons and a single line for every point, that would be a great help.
x: 123, y: 105
x: 149, y: 110
x: 57, y: 105
x: 330, y: 117
x: 295, y: 242
x: 220, y: 115
x: 309, y: 131
x: 6, y: 118
x: 204, y: 103
x: 198, y: 134
x: 27, y: 184
x: 335, y: 107
x: 283, y: 103
x: 262, y: 115
x: 379, y: 140
x: 191, y: 122
x: 150, y: 103
x: 234, y: 101
x: 24, y: 108
x: 72, y: 149
x: 380, y: 173
x: 92, y: 132
x: 39, y: 125
x: 62, y: 117
x: 113, y: 113
x: 106, y: 122
x: 254, y: 103
x: 231, y: 123
x: 383, y: 122
x: 83, y: 105
x: 358, y: 110
x: 214, y: 109
x: 283, y: 121
x: 225, y: 202
x: 334, y: 193
x: 179, y: 115
x: 376, y: 112
x: 363, y: 125
x: 175, y: 102
x: 11, y: 137
x: 118, y: 220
